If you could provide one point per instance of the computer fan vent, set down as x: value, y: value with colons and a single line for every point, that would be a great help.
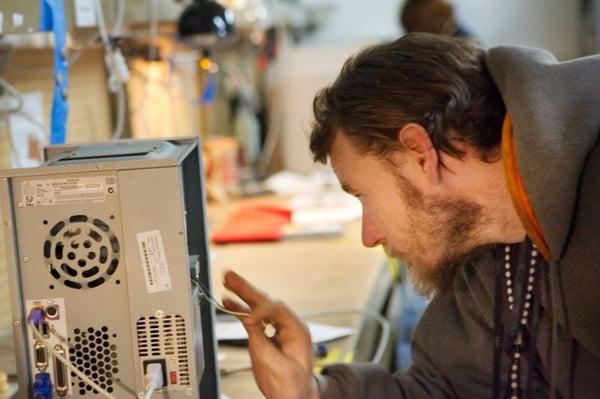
x: 82, y: 252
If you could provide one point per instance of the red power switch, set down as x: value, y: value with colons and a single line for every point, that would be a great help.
x: 173, y: 377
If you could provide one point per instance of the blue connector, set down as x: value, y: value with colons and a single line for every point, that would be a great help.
x: 36, y: 316
x: 42, y: 387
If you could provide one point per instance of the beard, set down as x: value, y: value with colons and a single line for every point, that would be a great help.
x: 448, y: 227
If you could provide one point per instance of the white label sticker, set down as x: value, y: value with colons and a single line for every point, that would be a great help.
x: 154, y: 261
x: 73, y: 190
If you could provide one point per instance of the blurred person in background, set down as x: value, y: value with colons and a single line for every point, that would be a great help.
x: 431, y: 16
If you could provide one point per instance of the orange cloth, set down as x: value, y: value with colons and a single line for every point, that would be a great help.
x: 517, y: 190
x: 254, y: 222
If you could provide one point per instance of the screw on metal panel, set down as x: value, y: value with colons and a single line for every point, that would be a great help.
x: 188, y: 391
x: 180, y: 233
x: 172, y: 362
x: 17, y: 323
x: 97, y: 168
x: 5, y: 223
x: 20, y: 204
x: 159, y: 314
x: 25, y: 259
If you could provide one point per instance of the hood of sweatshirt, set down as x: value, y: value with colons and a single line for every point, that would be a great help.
x: 555, y: 112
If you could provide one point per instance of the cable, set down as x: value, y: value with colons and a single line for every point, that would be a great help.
x: 121, y: 109
x: 119, y: 18
x: 383, y: 323
x: 118, y: 72
x: 13, y: 92
x: 153, y: 379
x: 149, y: 392
x: 153, y: 22
x: 206, y: 295
x: 18, y: 109
x: 67, y: 363
x: 101, y: 24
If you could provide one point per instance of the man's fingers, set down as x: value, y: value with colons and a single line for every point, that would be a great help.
x: 235, y: 306
x: 242, y: 288
x: 277, y: 312
x: 254, y: 327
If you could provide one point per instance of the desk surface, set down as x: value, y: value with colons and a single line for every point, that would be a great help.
x: 308, y: 274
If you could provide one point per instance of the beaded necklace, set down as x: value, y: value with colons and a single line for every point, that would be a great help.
x: 523, y: 310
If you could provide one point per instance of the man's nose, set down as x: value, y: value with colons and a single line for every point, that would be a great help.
x: 371, y: 236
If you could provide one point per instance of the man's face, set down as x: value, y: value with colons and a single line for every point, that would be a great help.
x: 431, y: 233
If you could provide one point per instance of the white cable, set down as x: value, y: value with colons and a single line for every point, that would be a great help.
x: 119, y: 18
x: 101, y: 23
x: 153, y: 379
x: 121, y: 108
x: 200, y: 289
x: 115, y: 64
x: 153, y: 22
x: 37, y: 123
x: 67, y: 363
x: 149, y: 392
x: 18, y: 109
x: 385, y: 326
x: 13, y: 92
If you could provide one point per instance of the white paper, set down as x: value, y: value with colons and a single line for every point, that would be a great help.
x: 331, y: 207
x: 17, y: 19
x: 27, y: 138
x: 234, y: 331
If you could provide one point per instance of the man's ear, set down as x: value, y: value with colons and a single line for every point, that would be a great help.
x: 415, y: 139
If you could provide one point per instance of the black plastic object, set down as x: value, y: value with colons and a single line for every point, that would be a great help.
x: 205, y: 24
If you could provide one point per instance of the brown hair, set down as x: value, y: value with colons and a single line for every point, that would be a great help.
x: 438, y: 82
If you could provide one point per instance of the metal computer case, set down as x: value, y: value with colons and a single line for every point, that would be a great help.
x: 110, y: 234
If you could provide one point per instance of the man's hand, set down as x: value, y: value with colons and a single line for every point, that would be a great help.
x: 283, y: 364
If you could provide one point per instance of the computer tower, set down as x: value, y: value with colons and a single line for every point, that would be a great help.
x: 102, y: 241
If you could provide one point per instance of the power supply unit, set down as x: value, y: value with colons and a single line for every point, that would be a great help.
x: 103, y: 242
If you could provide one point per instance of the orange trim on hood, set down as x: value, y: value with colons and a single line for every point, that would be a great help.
x: 517, y: 190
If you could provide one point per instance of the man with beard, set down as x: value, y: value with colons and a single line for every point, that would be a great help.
x: 481, y: 170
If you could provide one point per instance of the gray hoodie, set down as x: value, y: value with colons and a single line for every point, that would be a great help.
x: 555, y: 110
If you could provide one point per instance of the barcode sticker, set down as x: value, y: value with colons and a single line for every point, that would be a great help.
x: 154, y: 261
x: 72, y: 190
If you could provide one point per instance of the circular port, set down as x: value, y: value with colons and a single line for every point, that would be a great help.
x: 51, y: 311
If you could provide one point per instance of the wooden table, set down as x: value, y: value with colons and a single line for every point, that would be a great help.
x: 310, y: 275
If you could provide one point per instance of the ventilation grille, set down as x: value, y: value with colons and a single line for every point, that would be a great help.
x: 93, y: 353
x: 164, y: 337
x: 82, y: 252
